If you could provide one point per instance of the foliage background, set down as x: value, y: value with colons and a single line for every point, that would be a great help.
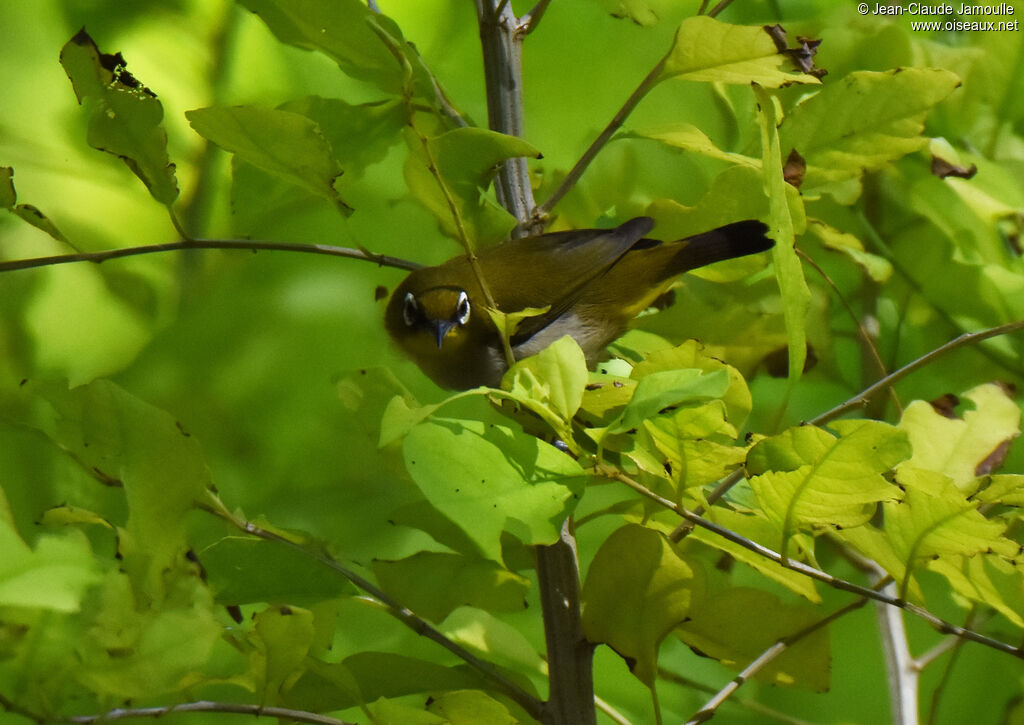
x: 249, y: 352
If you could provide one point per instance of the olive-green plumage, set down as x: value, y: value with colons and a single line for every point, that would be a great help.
x: 593, y: 282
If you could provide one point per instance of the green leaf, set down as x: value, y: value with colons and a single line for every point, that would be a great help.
x: 936, y: 520
x: 433, y: 584
x: 283, y: 143
x: 359, y: 135
x: 343, y: 30
x: 125, y: 117
x: 494, y: 640
x: 368, y: 676
x: 688, y: 439
x: 690, y: 354
x: 129, y: 442
x: 470, y: 707
x: 796, y: 297
x: 638, y: 588
x: 878, y: 269
x: 387, y: 712
x: 241, y: 570
x: 53, y: 576
x: 755, y: 527
x: 688, y: 137
x: 551, y: 384
x: 737, y: 625
x: 664, y: 389
x: 25, y: 212
x: 708, y: 50
x: 808, y: 477
x: 990, y: 581
x: 863, y: 121
x: 284, y: 636
x: 957, y: 446
x: 135, y: 652
x: 489, y: 478
x: 465, y: 161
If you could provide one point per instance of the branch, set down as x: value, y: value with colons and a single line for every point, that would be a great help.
x: 231, y: 708
x: 406, y: 616
x: 599, y: 143
x: 862, y: 398
x: 941, y: 625
x: 501, y: 39
x: 236, y: 244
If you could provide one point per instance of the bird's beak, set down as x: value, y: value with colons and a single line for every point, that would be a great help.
x: 441, y: 328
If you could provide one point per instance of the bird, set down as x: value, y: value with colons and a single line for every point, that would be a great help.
x: 587, y: 283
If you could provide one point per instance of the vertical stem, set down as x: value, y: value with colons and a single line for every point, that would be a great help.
x: 570, y: 655
x: 501, y: 37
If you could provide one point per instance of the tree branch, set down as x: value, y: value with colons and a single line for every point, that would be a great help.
x: 599, y: 143
x: 231, y: 708
x: 938, y: 623
x: 402, y: 613
x: 382, y: 260
x: 862, y: 398
x: 501, y: 39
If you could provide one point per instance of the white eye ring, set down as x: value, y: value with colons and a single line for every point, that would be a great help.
x: 410, y: 310
x: 462, y: 309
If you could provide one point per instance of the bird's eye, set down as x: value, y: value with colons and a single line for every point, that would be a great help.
x: 462, y: 309
x: 410, y: 310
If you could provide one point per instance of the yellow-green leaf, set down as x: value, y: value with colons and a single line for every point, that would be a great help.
x: 638, y: 588
x: 708, y: 50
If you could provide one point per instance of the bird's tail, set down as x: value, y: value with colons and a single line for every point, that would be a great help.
x: 733, y: 240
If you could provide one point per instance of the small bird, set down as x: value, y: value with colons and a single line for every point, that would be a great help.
x: 592, y: 282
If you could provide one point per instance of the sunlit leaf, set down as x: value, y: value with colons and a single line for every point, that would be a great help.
x: 469, y: 707
x: 550, y: 384
x: 863, y: 121
x: 638, y: 588
x: 284, y: 635
x: 708, y: 50
x: 666, y: 388
x: 990, y: 581
x: 493, y: 639
x: 806, y: 476
x: 54, y: 575
x: 956, y: 446
x: 757, y: 528
x: 877, y: 268
x: 125, y: 117
x: 796, y: 296
x: 489, y: 479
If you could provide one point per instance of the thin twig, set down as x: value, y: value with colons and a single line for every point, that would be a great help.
x: 230, y: 708
x: 938, y: 623
x: 236, y: 244
x: 719, y: 8
x: 400, y: 612
x: 864, y: 336
x: 752, y: 705
x: 862, y: 398
x: 599, y: 143
x: 529, y: 22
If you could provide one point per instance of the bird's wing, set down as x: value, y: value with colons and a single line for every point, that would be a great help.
x: 581, y: 258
